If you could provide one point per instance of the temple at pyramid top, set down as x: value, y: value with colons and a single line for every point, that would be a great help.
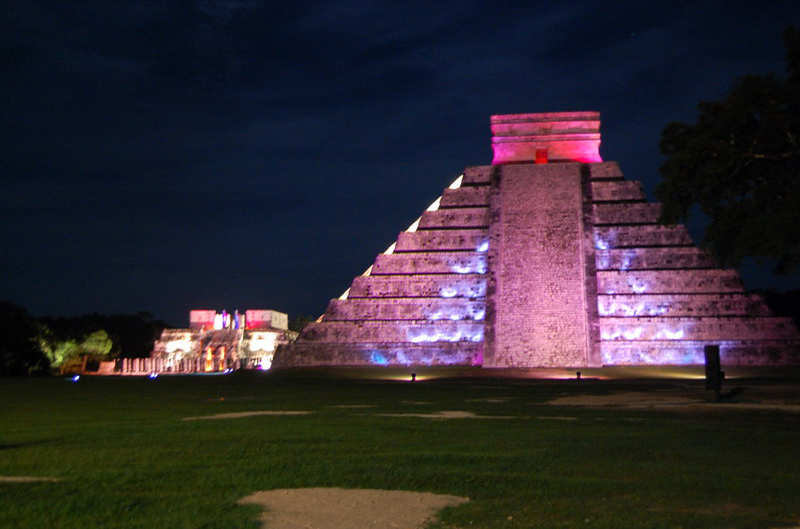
x: 546, y: 137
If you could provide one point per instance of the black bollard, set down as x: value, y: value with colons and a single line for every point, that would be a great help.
x: 714, y: 373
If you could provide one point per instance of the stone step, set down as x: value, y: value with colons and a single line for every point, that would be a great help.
x: 465, y: 197
x: 480, y: 174
x: 455, y: 218
x: 446, y: 286
x: 653, y: 258
x: 617, y: 191
x: 669, y: 282
x: 442, y: 240
x: 676, y: 352
x: 644, y: 213
x: 431, y: 309
x: 608, y: 237
x: 670, y: 305
x: 409, y: 332
x: 430, y: 263
x: 604, y: 170
x: 301, y: 354
x: 704, y: 328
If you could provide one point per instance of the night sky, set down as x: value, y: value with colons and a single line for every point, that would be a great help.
x: 163, y: 156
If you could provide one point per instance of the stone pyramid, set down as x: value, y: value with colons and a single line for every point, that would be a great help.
x: 546, y: 258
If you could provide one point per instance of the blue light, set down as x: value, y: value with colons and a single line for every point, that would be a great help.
x: 76, y: 378
x: 378, y: 359
x: 484, y: 247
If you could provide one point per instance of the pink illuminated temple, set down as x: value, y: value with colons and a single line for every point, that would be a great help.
x: 548, y: 257
x: 546, y: 138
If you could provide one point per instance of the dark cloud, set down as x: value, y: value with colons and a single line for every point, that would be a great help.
x: 166, y: 155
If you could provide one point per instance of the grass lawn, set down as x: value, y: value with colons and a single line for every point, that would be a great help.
x: 126, y: 458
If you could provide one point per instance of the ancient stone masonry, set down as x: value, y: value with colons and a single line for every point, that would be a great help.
x: 548, y: 257
x: 218, y: 341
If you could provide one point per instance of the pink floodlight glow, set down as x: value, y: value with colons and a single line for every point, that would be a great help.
x: 546, y: 138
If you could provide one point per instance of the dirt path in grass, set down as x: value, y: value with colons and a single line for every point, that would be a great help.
x: 453, y: 414
x: 324, y: 508
x: 243, y: 414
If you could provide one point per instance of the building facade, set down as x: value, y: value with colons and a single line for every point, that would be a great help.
x: 219, y: 341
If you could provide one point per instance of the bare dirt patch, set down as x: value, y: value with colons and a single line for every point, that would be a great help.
x: 26, y: 479
x: 331, y: 508
x: 243, y: 414
x: 455, y: 414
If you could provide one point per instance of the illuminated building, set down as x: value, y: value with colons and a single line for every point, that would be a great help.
x: 546, y: 258
x: 220, y: 341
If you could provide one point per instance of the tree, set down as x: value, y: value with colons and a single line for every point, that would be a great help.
x: 71, y: 354
x: 132, y: 335
x: 299, y: 322
x: 740, y: 163
x: 20, y: 353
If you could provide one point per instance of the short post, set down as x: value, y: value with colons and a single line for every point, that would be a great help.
x: 413, y: 377
x: 714, y: 373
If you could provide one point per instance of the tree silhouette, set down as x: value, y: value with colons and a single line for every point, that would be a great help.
x: 20, y: 353
x: 740, y: 163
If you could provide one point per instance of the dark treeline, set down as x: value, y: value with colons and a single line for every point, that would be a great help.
x: 132, y: 335
x: 784, y: 303
x: 31, y: 346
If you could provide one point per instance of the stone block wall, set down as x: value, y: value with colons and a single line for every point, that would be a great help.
x: 661, y: 299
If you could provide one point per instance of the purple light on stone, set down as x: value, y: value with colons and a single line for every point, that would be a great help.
x: 638, y: 288
x: 459, y: 335
x: 635, y: 334
x: 479, y: 290
x: 673, y: 335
